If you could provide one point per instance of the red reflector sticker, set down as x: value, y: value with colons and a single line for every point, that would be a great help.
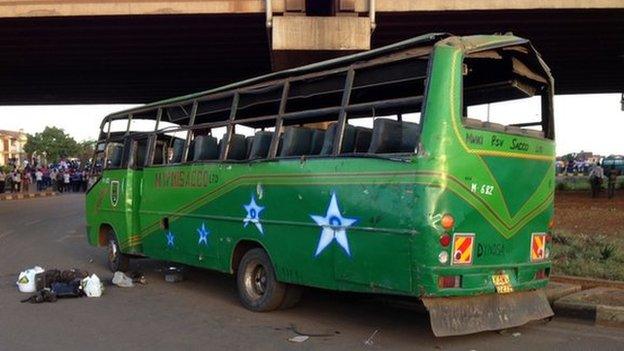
x: 538, y: 246
x: 463, y: 244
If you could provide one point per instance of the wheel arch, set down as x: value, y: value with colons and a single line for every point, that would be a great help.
x: 241, y: 247
x: 103, y: 230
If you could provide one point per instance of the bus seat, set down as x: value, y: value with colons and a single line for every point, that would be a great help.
x: 205, y: 148
x: 535, y: 133
x: 261, y: 144
x: 348, y: 140
x: 515, y: 130
x: 473, y: 122
x: 116, y: 155
x: 318, y: 136
x: 297, y: 141
x: 248, y: 143
x: 191, y: 152
x: 363, y: 138
x: 494, y: 126
x: 159, y: 154
x: 178, y: 150
x: 410, y: 136
x: 238, y: 148
x: 391, y: 136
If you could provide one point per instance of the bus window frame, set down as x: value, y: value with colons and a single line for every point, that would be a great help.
x: 546, y: 101
x: 278, y: 119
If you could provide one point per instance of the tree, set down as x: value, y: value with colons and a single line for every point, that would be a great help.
x: 55, y: 142
x: 86, y: 149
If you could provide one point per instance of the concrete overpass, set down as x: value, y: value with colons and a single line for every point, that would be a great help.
x: 87, y: 51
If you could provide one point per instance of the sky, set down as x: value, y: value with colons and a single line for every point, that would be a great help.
x: 582, y: 122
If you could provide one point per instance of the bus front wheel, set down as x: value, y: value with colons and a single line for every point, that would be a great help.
x: 116, y: 260
x: 258, y: 288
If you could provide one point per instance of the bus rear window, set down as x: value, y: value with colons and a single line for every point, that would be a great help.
x: 504, y: 94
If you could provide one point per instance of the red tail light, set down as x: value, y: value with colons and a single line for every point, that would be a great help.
x: 445, y: 240
x: 449, y: 281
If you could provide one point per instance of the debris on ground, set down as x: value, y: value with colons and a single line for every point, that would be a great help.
x: 299, y: 338
x: 370, y: 341
x: 50, y: 285
x: 174, y: 274
x: 26, y: 280
x: 294, y: 329
x: 122, y: 280
x: 92, y: 286
x: 138, y: 277
x: 45, y: 295
x: 516, y: 334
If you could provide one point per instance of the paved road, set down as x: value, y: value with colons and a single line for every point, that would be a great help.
x: 203, y: 312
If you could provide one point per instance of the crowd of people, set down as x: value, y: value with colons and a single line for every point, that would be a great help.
x: 62, y: 177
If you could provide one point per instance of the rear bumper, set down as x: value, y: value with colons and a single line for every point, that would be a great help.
x: 476, y: 280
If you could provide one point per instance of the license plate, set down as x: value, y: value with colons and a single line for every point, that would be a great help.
x: 502, y: 283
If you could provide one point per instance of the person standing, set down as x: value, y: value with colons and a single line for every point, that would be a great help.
x: 66, y: 178
x: 17, y: 181
x: 26, y: 180
x: 595, y: 178
x: 39, y: 179
x: 2, y: 181
x: 612, y: 175
x: 59, y: 181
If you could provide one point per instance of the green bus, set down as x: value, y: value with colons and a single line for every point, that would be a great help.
x: 379, y: 172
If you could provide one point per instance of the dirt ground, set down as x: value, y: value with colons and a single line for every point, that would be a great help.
x: 576, y: 212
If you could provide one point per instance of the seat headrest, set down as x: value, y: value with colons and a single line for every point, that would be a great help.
x: 297, y: 141
x: 205, y: 148
x: 348, y: 139
x: 391, y: 136
x: 260, y: 145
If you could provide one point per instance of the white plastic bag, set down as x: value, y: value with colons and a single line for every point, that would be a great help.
x: 26, y: 279
x: 122, y: 280
x: 92, y: 286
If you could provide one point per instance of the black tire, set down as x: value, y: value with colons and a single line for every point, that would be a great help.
x: 258, y: 288
x: 115, y: 259
x: 292, y: 296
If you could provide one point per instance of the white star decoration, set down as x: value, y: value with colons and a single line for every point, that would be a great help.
x: 334, y: 227
x: 253, y: 214
x: 203, y: 235
x: 170, y: 239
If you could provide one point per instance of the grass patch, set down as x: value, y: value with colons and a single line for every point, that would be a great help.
x: 597, y: 256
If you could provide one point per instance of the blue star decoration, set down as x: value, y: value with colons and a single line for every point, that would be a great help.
x: 170, y: 238
x: 334, y: 227
x: 203, y: 235
x: 253, y: 214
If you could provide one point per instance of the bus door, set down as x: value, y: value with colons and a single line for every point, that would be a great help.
x: 136, y: 156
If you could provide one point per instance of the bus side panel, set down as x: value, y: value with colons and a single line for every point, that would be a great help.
x: 107, y: 204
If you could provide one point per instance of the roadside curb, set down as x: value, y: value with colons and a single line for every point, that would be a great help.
x: 586, y: 282
x: 603, y: 305
x: 9, y: 197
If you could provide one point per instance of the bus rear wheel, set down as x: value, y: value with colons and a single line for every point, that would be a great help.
x: 258, y: 288
x: 115, y: 259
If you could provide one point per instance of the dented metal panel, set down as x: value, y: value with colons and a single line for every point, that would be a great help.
x: 467, y: 315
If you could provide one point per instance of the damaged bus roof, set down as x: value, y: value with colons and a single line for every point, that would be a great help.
x: 467, y: 43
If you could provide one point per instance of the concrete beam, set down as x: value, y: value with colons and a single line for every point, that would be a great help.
x: 48, y: 8
x: 321, y: 33
x: 467, y: 5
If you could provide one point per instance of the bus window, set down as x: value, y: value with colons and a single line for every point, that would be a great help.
x: 139, y: 153
x: 503, y: 94
x: 114, y: 152
x: 385, y: 134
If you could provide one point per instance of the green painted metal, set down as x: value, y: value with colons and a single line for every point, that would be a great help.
x: 393, y: 245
